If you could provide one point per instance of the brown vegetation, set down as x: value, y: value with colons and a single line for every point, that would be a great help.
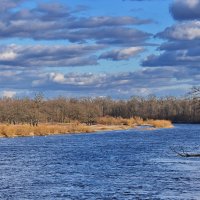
x: 42, y: 129
x: 104, y: 123
x: 89, y: 110
x: 159, y: 123
x: 134, y: 121
x: 40, y: 116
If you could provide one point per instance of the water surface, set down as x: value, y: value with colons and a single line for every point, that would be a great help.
x: 122, y: 165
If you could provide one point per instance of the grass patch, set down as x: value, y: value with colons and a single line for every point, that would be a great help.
x: 159, y: 123
x: 135, y: 121
x: 42, y: 129
x: 103, y: 123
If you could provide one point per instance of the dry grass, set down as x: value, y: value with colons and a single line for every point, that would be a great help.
x: 137, y: 121
x: 111, y: 121
x: 159, y: 123
x: 134, y: 121
x: 43, y: 129
x: 104, y: 123
x: 120, y: 121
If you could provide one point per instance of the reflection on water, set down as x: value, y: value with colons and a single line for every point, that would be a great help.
x: 131, y: 164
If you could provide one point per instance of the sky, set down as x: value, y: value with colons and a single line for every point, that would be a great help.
x: 99, y: 48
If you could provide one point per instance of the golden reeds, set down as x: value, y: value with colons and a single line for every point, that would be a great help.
x: 134, y: 121
x: 159, y: 123
x: 42, y: 129
x: 108, y: 123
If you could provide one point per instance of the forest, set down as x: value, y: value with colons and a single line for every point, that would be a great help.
x: 87, y: 110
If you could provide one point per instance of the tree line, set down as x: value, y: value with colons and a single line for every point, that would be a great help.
x: 87, y: 110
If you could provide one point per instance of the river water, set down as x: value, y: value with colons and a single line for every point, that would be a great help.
x: 133, y: 164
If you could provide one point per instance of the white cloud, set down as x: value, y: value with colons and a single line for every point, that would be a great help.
x: 8, y: 55
x: 127, y: 52
x: 9, y: 94
x: 77, y: 79
x: 122, y: 54
x: 57, y: 77
x: 183, y: 31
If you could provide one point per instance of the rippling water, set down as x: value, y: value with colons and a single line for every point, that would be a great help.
x: 122, y: 165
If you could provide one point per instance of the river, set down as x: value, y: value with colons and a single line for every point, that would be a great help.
x: 132, y: 164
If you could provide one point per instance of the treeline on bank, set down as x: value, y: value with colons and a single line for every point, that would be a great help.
x: 88, y: 110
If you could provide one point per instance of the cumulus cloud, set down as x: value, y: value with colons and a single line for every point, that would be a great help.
x: 185, y: 9
x: 181, y: 48
x: 122, y: 54
x: 48, y: 56
x: 182, y: 31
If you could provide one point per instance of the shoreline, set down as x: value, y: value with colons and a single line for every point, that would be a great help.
x: 13, y: 131
x: 100, y: 127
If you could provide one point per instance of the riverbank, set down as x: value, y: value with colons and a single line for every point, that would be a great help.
x: 25, y: 130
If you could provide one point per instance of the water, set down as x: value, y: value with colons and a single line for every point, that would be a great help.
x: 122, y: 165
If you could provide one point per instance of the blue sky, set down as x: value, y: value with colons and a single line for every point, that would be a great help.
x: 117, y: 48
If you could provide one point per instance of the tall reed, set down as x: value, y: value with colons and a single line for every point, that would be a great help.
x: 42, y: 129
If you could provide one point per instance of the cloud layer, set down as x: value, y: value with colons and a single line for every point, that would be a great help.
x: 54, y: 21
x: 146, y: 81
x: 42, y: 41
